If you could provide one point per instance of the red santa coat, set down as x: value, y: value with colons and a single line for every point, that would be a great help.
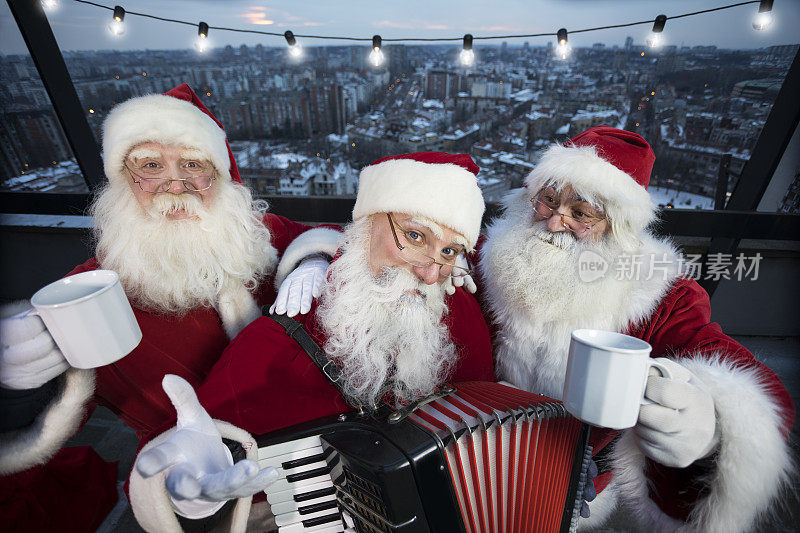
x: 187, y: 346
x: 264, y: 381
x: 754, y: 411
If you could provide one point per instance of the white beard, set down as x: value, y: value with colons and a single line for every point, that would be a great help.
x: 173, y: 266
x: 379, y: 332
x: 537, y: 298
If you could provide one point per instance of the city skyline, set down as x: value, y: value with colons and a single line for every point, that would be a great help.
x: 82, y: 27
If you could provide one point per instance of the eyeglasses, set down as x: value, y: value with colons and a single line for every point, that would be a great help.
x: 201, y: 177
x: 578, y: 221
x: 412, y: 253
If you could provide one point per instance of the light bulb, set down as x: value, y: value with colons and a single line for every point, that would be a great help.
x: 295, y: 51
x: 563, y: 50
x: 376, y: 56
x: 654, y: 41
x: 116, y: 27
x: 466, y: 57
x: 762, y: 20
x: 202, y: 44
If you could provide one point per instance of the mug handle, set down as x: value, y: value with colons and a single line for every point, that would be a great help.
x: 663, y: 370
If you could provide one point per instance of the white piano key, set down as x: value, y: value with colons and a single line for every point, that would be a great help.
x: 286, y: 494
x: 282, y: 484
x: 291, y: 518
x: 278, y: 460
x: 289, y: 447
x: 291, y: 505
x: 327, y: 527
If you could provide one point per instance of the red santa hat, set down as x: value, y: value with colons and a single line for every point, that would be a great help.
x: 177, y: 117
x: 607, y: 166
x: 438, y: 186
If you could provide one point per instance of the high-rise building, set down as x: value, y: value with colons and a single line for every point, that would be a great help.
x: 440, y: 84
x: 628, y: 42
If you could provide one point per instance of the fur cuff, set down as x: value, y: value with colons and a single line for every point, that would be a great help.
x: 151, y: 502
x: 752, y: 464
x: 237, y: 308
x: 600, y: 509
x: 36, y: 444
x: 313, y: 241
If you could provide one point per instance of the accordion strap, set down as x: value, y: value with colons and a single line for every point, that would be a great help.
x: 328, y: 367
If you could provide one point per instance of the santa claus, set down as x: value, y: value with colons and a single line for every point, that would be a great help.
x: 384, y: 324
x: 710, y: 453
x: 196, y: 255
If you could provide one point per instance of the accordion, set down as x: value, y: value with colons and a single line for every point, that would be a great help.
x: 476, y: 457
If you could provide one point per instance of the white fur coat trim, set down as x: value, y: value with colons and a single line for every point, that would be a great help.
x: 151, y: 502
x: 753, y: 459
x: 237, y: 308
x: 313, y: 241
x: 37, y: 443
x: 600, y: 509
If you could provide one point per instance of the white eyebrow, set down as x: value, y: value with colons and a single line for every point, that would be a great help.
x: 194, y: 154
x: 141, y: 153
x: 437, y: 230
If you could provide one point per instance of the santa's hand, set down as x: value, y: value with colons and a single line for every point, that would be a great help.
x: 300, y: 287
x: 680, y: 427
x: 460, y: 281
x: 29, y: 357
x: 202, y: 476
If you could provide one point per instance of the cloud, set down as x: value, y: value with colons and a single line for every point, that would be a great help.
x: 394, y: 24
x: 255, y: 17
x: 437, y: 27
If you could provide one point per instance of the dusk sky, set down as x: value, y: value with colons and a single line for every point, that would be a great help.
x: 83, y: 27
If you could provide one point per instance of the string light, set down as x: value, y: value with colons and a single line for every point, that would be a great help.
x: 49, y: 5
x: 563, y: 48
x: 467, y: 56
x: 763, y: 19
x: 202, y: 43
x: 116, y: 26
x: 376, y: 56
x: 655, y: 37
x: 764, y: 16
x: 294, y: 48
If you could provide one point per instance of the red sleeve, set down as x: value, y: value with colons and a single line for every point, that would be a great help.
x: 283, y: 231
x: 470, y: 334
x: 89, y: 265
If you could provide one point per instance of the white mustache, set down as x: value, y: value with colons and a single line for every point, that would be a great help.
x: 166, y: 204
x: 563, y: 239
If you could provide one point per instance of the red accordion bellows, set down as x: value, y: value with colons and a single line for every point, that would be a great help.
x: 511, y: 470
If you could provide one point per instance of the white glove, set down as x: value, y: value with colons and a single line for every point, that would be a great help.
x: 300, y: 287
x: 201, y: 479
x: 680, y: 427
x: 461, y: 281
x: 29, y: 357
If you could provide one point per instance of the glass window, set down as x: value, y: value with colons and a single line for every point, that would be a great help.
x: 34, y: 153
x: 305, y: 125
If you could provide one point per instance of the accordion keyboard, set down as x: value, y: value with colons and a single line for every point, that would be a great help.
x: 303, y: 499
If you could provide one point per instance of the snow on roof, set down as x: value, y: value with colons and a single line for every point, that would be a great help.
x: 433, y: 103
x: 563, y: 130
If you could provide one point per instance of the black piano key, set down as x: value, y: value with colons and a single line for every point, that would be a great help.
x: 315, y: 508
x: 303, y: 461
x: 319, y: 493
x: 311, y: 522
x: 292, y: 478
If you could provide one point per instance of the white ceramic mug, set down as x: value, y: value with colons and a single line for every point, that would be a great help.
x: 606, y: 377
x: 89, y: 317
